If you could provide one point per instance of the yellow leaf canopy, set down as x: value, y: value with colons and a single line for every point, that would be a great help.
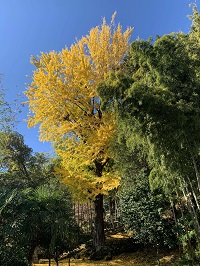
x: 63, y: 100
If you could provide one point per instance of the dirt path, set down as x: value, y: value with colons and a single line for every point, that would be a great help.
x: 147, y: 257
x: 135, y: 259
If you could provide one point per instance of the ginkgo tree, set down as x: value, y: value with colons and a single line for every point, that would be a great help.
x: 63, y: 100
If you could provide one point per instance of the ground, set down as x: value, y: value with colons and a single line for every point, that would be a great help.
x: 120, y: 244
x: 134, y: 259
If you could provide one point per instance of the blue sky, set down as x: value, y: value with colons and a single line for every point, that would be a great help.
x: 28, y: 27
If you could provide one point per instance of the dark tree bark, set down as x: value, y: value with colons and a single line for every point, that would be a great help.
x: 98, y: 234
x: 33, y: 245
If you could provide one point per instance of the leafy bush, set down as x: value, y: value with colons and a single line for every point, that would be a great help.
x: 13, y: 254
x: 144, y: 214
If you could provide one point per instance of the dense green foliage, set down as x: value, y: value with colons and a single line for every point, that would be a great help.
x: 146, y: 215
x: 37, y: 209
x: 156, y: 97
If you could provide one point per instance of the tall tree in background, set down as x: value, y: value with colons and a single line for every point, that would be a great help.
x: 63, y: 99
x: 6, y: 114
x: 22, y: 167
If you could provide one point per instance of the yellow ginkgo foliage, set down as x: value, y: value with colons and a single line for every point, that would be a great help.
x: 64, y: 101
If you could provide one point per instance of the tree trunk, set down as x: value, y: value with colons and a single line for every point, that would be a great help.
x: 180, y: 203
x: 112, y: 209
x: 194, y: 193
x: 196, y: 172
x: 98, y: 234
x: 31, y: 252
x: 191, y: 210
